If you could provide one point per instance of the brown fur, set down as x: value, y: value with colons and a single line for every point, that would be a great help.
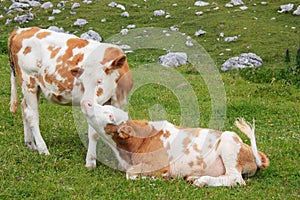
x: 139, y: 144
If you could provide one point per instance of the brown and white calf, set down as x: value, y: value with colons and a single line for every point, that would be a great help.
x: 67, y: 70
x: 201, y: 156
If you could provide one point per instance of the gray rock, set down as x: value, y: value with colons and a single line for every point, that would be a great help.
x: 125, y: 14
x: 75, y: 5
x: 115, y: 5
x: 61, y: 4
x: 237, y: 2
x: 24, y: 18
x: 17, y: 5
x: 87, y: 1
x: 30, y: 2
x: 91, y: 35
x: 56, y: 11
x: 56, y: 29
x: 297, y: 11
x: 80, y: 22
x: 201, y: 3
x: 8, y: 21
x: 33, y: 3
x: 200, y: 32
x: 120, y: 6
x: 51, y: 18
x: 112, y: 4
x: 286, y: 8
x: 47, y: 5
x: 245, y: 60
x: 230, y: 39
x: 159, y: 13
x: 124, y: 31
x: 173, y: 59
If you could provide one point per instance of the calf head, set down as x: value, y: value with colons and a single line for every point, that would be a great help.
x: 100, y: 73
x: 99, y: 116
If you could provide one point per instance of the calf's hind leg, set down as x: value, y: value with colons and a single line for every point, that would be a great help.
x: 31, y: 122
x: 228, y: 149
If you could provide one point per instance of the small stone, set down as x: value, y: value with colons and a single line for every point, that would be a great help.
x: 199, y: 13
x: 159, y: 12
x: 125, y: 14
x: 124, y: 31
x: 56, y: 11
x: 91, y: 35
x: 173, y: 59
x: 47, y: 5
x: 201, y: 3
x: 286, y: 8
x: 80, y: 22
x: 297, y: 11
x: 200, y: 32
x: 75, y: 5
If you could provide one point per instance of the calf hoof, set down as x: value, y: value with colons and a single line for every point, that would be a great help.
x: 31, y: 146
x: 44, y: 151
x: 90, y: 164
x: 201, y: 182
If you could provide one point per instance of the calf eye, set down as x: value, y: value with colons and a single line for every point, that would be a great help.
x: 99, y: 81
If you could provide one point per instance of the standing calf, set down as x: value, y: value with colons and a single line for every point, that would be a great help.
x: 67, y: 70
x: 201, y: 156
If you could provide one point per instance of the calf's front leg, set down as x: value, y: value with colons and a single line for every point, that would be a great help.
x: 91, y: 155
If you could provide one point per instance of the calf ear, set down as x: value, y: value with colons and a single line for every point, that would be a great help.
x: 118, y: 62
x: 76, y: 71
x: 125, y: 131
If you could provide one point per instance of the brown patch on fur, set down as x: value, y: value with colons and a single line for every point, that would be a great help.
x: 15, y: 45
x: 54, y: 51
x: 32, y: 84
x: 186, y: 151
x: 64, y: 71
x: 246, y: 161
x: 43, y: 34
x: 217, y: 145
x: 186, y: 142
x: 110, y: 54
x: 96, y: 137
x: 124, y: 81
x: 57, y: 98
x: 40, y: 79
x: 66, y: 62
x: 167, y: 134
x: 99, y: 92
x: 195, y: 147
x: 27, y: 50
x: 143, y: 146
x: 236, y: 139
x: 199, y: 160
x: 191, y: 164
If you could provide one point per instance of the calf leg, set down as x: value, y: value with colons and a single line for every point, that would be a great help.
x: 28, y: 137
x: 228, y: 149
x: 91, y: 156
x: 31, y: 123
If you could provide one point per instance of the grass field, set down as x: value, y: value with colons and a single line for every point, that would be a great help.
x: 270, y: 94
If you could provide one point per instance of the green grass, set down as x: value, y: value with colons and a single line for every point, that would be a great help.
x: 264, y: 94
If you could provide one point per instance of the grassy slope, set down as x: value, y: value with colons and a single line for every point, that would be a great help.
x: 275, y: 106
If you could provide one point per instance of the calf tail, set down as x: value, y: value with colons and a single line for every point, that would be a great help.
x: 14, y: 94
x: 260, y: 159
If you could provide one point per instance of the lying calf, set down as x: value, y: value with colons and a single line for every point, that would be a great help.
x: 201, y: 156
